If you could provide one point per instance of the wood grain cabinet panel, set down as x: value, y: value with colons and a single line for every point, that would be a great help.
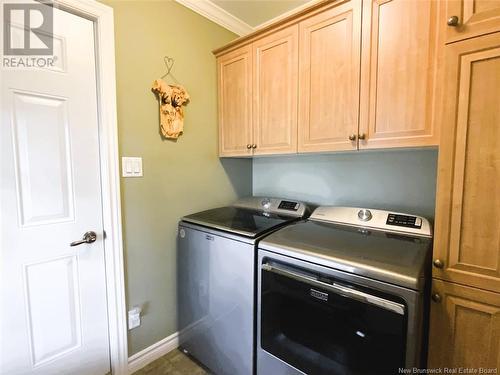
x: 399, y: 77
x: 329, y: 79
x: 275, y: 92
x: 467, y: 233
x: 474, y: 17
x: 235, y: 102
x: 464, y: 327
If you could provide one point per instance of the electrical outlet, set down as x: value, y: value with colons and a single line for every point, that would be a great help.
x: 134, y: 317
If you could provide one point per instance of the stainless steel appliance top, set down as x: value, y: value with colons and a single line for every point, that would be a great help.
x: 251, y: 216
x: 389, y: 247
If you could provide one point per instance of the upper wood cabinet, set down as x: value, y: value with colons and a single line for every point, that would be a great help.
x: 275, y: 67
x: 341, y: 75
x: 464, y: 327
x: 257, y: 91
x: 399, y: 75
x: 235, y: 102
x: 469, y: 18
x: 329, y: 79
x: 467, y: 230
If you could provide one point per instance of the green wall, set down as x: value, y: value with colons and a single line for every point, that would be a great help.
x: 179, y: 177
x: 403, y: 180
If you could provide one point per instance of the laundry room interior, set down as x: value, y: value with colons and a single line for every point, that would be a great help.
x: 250, y: 187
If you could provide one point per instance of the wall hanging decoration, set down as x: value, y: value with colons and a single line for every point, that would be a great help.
x: 171, y: 98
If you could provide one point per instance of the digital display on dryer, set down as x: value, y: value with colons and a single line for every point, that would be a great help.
x: 404, y: 221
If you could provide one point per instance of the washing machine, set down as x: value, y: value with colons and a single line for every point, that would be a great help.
x: 216, y: 282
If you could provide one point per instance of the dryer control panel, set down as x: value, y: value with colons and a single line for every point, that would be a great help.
x: 377, y: 219
x: 404, y: 221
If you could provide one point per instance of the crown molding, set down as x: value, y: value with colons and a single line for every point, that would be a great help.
x: 218, y: 15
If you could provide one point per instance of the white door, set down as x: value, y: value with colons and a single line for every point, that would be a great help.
x: 53, y: 296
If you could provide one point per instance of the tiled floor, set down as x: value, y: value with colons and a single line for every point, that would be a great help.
x: 173, y: 363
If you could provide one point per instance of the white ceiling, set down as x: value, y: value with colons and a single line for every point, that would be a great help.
x: 256, y: 12
x: 245, y: 16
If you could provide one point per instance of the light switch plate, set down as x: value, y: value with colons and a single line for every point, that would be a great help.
x: 131, y: 166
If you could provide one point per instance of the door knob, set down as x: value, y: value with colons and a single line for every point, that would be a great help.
x: 352, y: 137
x: 436, y: 297
x: 88, y: 237
x: 249, y: 146
x: 438, y: 263
x: 254, y: 146
x: 362, y: 136
x: 453, y: 21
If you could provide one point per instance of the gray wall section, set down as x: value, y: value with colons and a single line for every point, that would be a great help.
x: 403, y: 180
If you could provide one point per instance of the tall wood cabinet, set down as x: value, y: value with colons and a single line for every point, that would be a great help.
x: 467, y: 238
x: 465, y: 313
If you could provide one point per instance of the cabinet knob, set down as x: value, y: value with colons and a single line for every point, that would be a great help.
x: 438, y: 263
x: 362, y: 136
x: 254, y: 146
x: 249, y: 146
x: 352, y: 137
x: 436, y: 297
x: 453, y: 21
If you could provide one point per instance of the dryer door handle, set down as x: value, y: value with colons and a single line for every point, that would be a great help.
x: 339, y: 289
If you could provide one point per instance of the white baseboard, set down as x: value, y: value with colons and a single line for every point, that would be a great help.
x: 153, y: 352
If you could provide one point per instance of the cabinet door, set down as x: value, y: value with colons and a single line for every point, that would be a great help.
x: 474, y: 17
x: 329, y: 79
x: 464, y: 327
x: 467, y: 232
x: 275, y: 92
x: 235, y: 102
x: 399, y: 75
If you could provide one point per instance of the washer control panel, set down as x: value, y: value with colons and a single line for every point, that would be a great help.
x: 266, y: 203
x: 274, y: 205
x: 289, y: 205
